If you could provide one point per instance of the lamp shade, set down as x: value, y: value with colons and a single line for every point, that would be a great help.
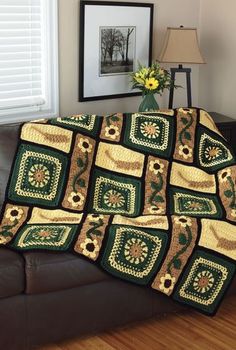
x: 181, y: 46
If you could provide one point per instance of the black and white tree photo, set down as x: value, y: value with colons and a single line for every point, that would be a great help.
x: 117, y: 50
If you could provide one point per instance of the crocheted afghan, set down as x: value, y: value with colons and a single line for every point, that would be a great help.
x: 149, y: 197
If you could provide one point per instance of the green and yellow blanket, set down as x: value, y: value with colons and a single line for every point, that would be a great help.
x: 149, y: 197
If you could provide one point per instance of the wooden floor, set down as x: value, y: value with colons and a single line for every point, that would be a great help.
x: 190, y: 331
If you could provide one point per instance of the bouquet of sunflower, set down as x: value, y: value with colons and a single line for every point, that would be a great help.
x: 152, y: 79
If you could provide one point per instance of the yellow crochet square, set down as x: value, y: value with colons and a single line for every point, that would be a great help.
x: 150, y: 221
x: 219, y: 236
x: 48, y: 135
x: 46, y: 216
x: 192, y: 178
x: 120, y: 159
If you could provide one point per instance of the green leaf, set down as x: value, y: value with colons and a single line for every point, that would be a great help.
x: 228, y: 194
x: 97, y: 233
x: 182, y: 239
x: 177, y: 264
x: 158, y: 199
x: 7, y: 227
x: 7, y: 234
x: 81, y: 182
x: 114, y: 118
x: 80, y: 162
x: 184, y: 120
x: 187, y: 135
x: 155, y: 186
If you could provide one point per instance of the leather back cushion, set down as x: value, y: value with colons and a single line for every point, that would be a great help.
x: 8, y: 144
x: 12, y: 273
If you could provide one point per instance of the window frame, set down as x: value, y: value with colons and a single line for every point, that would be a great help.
x: 51, y: 108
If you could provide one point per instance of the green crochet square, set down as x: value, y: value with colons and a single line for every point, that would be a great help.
x: 150, y: 132
x: 38, y: 176
x: 84, y: 122
x: 213, y: 153
x: 205, y: 281
x: 134, y: 254
x: 184, y: 202
x: 51, y: 237
x: 112, y: 194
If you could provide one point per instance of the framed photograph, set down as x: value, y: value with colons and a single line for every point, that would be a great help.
x: 114, y: 38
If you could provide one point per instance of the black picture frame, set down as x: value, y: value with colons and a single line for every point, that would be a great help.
x: 142, y: 49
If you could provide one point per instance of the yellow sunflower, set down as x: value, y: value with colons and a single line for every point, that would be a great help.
x: 182, y: 221
x: 156, y: 166
x: 185, y: 151
x: 233, y: 213
x: 14, y: 214
x: 167, y: 283
x: 151, y: 83
x: 76, y: 199
x: 155, y: 210
x: 224, y: 175
x: 90, y: 248
x: 112, y: 131
x: 3, y: 240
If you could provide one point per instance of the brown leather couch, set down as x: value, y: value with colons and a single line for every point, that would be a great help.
x: 47, y: 297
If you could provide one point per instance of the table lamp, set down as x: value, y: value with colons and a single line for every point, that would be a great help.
x: 181, y: 46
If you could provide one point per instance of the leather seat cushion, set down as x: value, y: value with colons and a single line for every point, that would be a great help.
x: 54, y: 271
x: 12, y: 274
x: 8, y: 144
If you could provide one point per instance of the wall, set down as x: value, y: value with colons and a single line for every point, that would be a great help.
x: 167, y: 13
x: 217, y: 78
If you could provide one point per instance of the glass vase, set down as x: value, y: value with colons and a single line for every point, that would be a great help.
x: 148, y: 104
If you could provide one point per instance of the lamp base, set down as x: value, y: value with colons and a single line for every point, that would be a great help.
x: 187, y: 71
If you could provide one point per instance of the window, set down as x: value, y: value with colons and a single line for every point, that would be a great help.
x: 28, y: 60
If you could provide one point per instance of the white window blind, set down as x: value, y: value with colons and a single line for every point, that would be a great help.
x: 28, y: 59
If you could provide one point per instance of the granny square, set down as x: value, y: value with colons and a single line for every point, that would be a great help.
x: 205, y: 281
x: 82, y: 122
x: 114, y: 194
x: 134, y: 254
x: 213, y: 154
x: 38, y: 176
x: 185, y: 202
x: 150, y: 132
x: 47, y: 135
x: 52, y: 237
